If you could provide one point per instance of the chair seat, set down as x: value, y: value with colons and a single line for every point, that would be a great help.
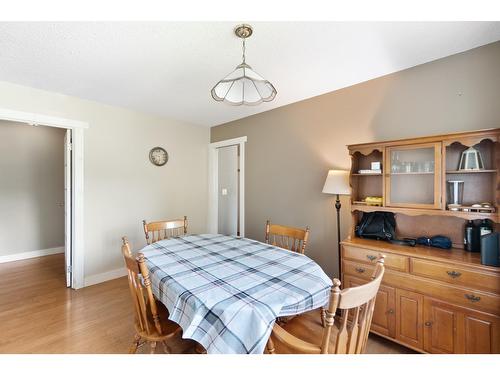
x: 168, y: 327
x: 306, y: 327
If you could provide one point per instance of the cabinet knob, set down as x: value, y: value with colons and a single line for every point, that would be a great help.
x: 360, y: 270
x: 428, y: 324
x: 371, y: 257
x: 453, y: 274
x: 391, y: 311
x: 472, y: 297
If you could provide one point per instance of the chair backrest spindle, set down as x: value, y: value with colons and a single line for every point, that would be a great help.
x: 161, y: 230
x: 293, y: 239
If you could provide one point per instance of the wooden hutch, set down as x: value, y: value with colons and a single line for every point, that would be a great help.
x: 431, y: 300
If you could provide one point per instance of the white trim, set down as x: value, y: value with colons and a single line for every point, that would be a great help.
x: 77, y: 256
x: 31, y: 254
x: 229, y: 142
x: 77, y: 182
x: 213, y: 177
x: 38, y: 119
x: 105, y: 276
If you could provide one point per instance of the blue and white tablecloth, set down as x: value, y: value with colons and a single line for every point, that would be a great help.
x: 226, y: 292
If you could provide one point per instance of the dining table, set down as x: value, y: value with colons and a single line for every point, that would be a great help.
x: 227, y: 291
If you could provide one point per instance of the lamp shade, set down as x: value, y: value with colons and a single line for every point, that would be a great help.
x: 337, y: 182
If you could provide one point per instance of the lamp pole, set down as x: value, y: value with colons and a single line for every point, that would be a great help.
x: 337, y: 182
x: 337, y: 206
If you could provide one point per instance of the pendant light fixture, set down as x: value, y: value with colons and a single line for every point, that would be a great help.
x: 243, y: 85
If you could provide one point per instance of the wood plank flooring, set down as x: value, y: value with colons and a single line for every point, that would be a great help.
x: 38, y: 314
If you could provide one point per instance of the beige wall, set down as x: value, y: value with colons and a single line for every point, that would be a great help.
x: 290, y: 149
x: 31, y: 188
x: 121, y: 186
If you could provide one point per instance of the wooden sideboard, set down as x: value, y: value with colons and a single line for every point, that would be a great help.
x: 431, y: 300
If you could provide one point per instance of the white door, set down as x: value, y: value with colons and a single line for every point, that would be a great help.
x: 67, y: 205
x: 228, y: 190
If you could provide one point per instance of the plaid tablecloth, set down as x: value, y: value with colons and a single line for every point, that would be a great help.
x: 226, y: 292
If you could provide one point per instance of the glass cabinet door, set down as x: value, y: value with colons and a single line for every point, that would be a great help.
x: 413, y: 176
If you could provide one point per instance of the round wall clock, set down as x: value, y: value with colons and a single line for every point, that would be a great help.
x: 158, y: 156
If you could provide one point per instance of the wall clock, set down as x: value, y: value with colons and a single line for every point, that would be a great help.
x: 158, y: 156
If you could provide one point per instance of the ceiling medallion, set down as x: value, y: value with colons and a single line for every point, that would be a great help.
x: 243, y: 85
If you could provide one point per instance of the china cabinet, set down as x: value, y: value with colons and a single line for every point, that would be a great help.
x: 431, y: 300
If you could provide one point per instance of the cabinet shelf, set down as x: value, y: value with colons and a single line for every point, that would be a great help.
x: 420, y: 211
x: 410, y: 173
x: 366, y: 174
x: 473, y: 171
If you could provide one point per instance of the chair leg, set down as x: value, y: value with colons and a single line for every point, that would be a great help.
x: 270, y: 346
x: 323, y: 316
x: 165, y: 347
x: 153, y: 347
x: 199, y: 349
x: 135, y: 344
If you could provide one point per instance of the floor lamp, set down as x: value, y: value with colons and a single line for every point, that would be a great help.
x: 337, y: 182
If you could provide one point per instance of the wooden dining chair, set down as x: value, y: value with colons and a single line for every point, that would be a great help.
x: 151, y: 319
x: 161, y: 230
x: 294, y: 239
x: 346, y: 334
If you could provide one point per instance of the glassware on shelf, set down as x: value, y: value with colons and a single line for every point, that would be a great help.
x: 412, y: 180
x: 395, y: 164
x: 428, y: 166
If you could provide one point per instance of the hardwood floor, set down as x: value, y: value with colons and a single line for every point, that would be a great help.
x: 38, y: 314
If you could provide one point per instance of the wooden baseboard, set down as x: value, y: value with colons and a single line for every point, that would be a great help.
x: 31, y: 254
x: 105, y: 276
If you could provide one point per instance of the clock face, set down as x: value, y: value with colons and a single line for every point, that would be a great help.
x: 158, y: 156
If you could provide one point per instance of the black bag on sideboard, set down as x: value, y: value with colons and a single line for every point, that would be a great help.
x: 377, y: 225
x: 381, y: 225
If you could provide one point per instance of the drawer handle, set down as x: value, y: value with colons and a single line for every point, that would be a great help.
x: 360, y: 270
x: 453, y: 274
x: 472, y: 297
x: 371, y: 257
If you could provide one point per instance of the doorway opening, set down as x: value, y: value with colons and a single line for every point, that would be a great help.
x: 227, y: 187
x: 50, y: 200
x: 35, y: 194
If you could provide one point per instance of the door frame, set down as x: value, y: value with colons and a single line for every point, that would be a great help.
x: 77, y: 182
x: 213, y: 178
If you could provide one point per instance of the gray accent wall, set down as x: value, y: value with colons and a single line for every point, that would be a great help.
x: 31, y: 188
x: 290, y: 149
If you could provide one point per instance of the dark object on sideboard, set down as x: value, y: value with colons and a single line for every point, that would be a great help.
x: 490, y: 249
x: 377, y: 225
x: 471, y: 237
x: 441, y: 242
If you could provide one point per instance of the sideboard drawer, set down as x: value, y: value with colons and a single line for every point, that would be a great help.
x: 456, y: 275
x: 361, y: 270
x: 392, y: 261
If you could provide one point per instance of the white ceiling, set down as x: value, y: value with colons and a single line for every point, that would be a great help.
x: 168, y: 68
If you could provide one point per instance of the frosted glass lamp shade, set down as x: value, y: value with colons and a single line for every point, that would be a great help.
x: 337, y: 182
x: 243, y: 86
